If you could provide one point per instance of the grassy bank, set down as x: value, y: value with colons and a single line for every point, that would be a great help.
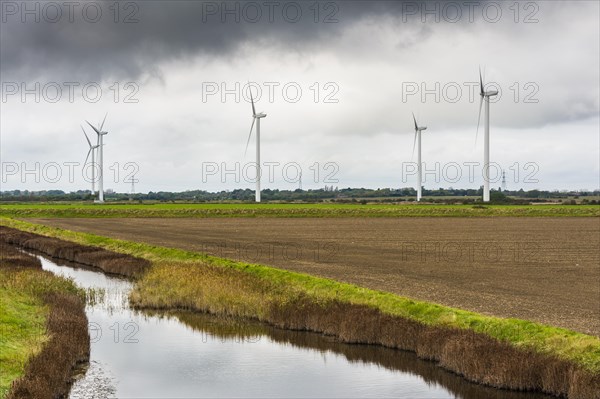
x: 22, y: 316
x: 291, y: 210
x: 499, y: 352
x: 44, y: 328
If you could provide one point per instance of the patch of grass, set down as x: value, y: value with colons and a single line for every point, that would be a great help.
x: 22, y: 317
x: 190, y: 280
x: 75, y: 210
x: 40, y: 314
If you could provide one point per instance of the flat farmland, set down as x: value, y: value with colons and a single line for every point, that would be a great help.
x: 542, y: 269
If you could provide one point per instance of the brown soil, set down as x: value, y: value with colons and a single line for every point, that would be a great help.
x: 542, y: 269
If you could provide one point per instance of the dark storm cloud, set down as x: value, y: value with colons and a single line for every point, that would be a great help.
x: 369, y: 53
x: 150, y: 32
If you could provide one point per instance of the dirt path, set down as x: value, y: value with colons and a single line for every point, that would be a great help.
x: 542, y: 269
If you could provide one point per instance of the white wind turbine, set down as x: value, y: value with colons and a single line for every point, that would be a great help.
x: 100, y: 134
x: 485, y: 95
x: 417, y: 141
x: 91, y: 151
x: 256, y: 118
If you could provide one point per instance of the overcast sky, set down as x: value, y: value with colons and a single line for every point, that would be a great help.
x: 338, y: 81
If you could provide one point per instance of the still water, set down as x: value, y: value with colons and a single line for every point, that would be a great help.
x: 137, y: 354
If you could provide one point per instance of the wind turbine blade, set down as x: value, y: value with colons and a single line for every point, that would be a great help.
x: 479, y: 118
x: 88, y: 155
x: 92, y: 126
x: 252, y: 100
x: 86, y: 137
x: 481, y: 91
x: 104, y: 120
x: 414, y: 144
x: 415, y: 119
x: 249, y: 136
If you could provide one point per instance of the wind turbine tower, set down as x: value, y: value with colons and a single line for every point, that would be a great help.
x: 417, y: 141
x: 91, y: 151
x: 485, y: 95
x: 256, y: 117
x: 100, y: 134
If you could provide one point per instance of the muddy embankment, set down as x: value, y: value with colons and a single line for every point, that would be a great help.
x: 108, y: 261
x: 477, y: 357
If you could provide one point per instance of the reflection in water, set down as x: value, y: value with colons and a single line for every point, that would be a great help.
x: 391, y: 359
x: 183, y: 354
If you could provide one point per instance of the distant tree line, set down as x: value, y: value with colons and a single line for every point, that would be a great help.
x: 328, y: 194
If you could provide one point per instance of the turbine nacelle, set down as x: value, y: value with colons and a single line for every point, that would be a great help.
x: 482, y: 91
x: 417, y: 127
x: 483, y: 94
x: 92, y: 147
x: 255, y: 116
x: 99, y: 132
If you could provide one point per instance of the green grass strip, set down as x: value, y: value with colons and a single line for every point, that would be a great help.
x: 73, y: 210
x: 581, y: 349
x: 22, y: 331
